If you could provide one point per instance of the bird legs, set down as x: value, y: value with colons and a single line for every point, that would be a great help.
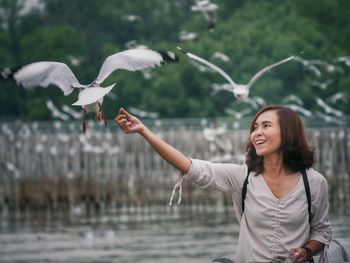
x: 100, y: 115
x: 83, y: 128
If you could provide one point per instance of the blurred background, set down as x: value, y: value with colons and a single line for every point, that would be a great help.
x: 103, y: 196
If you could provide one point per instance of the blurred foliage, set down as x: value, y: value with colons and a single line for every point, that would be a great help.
x: 252, y: 34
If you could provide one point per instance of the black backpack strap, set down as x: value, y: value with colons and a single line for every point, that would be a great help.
x: 308, y: 194
x: 244, y: 189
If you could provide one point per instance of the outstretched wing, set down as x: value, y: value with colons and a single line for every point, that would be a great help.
x: 210, y: 65
x: 267, y: 69
x: 45, y: 73
x: 134, y: 59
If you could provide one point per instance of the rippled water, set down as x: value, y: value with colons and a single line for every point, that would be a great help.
x: 197, y: 239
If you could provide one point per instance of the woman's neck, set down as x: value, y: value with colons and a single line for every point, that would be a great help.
x: 273, y: 165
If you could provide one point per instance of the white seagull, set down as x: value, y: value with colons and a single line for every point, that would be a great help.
x: 240, y: 91
x: 209, y: 11
x: 188, y: 36
x: 330, y: 68
x: 344, y: 59
x: 221, y: 56
x: 308, y: 65
x: 322, y: 85
x: 293, y: 99
x: 328, y: 109
x: 46, y: 73
x: 335, y: 98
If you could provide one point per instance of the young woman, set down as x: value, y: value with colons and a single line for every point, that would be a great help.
x: 274, y: 226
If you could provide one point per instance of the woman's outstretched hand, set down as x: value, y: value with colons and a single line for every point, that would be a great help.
x: 128, y: 123
x: 131, y: 124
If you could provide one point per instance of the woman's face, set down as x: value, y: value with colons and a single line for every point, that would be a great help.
x: 266, y: 134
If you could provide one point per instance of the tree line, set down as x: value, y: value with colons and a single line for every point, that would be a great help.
x: 253, y: 34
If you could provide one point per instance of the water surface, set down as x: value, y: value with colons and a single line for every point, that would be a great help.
x: 193, y: 239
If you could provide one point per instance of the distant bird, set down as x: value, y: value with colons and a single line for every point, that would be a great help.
x: 221, y: 56
x: 74, y: 60
x: 339, y: 96
x: 240, y: 91
x: 322, y: 85
x: 328, y: 109
x: 329, y: 68
x: 209, y: 11
x: 299, y: 109
x: 132, y: 18
x: 188, y: 36
x: 308, y: 66
x: 46, y: 73
x: 132, y: 44
x: 344, y: 59
x: 293, y: 98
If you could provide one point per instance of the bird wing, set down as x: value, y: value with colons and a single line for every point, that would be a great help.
x: 91, y: 95
x: 210, y: 65
x: 134, y: 59
x: 267, y: 69
x: 45, y: 73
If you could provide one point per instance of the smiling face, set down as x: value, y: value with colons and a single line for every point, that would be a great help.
x: 266, y: 134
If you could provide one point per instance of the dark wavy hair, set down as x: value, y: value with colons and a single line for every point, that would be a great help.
x: 297, y: 153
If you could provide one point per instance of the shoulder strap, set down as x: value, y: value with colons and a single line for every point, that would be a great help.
x: 244, y: 189
x: 308, y: 196
x: 307, y: 190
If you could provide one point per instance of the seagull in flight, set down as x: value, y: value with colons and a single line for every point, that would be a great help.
x: 328, y: 109
x: 46, y: 73
x: 344, y: 59
x: 322, y: 85
x: 209, y: 11
x: 308, y: 65
x: 240, y: 91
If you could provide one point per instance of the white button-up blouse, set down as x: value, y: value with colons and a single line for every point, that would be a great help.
x: 269, y: 227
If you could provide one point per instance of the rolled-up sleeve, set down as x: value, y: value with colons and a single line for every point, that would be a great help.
x: 321, y: 229
x: 225, y: 177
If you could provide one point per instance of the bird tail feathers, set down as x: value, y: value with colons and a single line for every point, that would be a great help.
x: 7, y: 73
x: 168, y: 57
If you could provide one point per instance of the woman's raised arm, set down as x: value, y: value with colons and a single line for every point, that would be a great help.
x: 130, y: 124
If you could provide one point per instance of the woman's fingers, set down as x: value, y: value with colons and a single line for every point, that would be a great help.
x: 126, y: 121
x: 122, y: 121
